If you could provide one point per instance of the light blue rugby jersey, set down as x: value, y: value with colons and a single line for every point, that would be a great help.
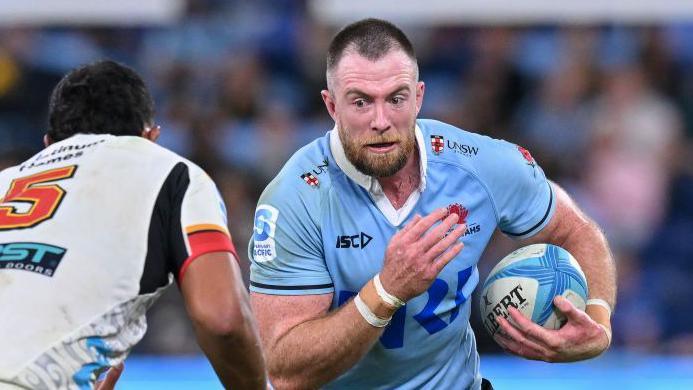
x: 322, y: 227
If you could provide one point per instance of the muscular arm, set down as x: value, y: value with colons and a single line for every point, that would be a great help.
x: 571, y: 229
x: 306, y: 346
x: 582, y: 337
x: 217, y: 303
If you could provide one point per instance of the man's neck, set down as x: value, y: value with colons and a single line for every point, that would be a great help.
x: 399, y: 186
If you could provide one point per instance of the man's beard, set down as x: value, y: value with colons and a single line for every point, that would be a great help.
x: 377, y: 164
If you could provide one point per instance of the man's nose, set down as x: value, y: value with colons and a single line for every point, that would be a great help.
x: 380, y: 121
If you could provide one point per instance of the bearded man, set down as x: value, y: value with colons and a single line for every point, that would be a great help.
x: 359, y: 278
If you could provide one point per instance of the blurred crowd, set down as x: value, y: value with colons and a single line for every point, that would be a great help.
x: 606, y: 110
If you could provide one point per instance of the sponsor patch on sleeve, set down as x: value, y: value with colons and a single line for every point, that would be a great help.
x: 264, y: 248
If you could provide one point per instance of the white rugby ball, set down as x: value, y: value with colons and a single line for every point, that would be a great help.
x: 528, y: 279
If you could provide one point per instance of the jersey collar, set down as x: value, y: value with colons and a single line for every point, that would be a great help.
x: 371, y: 184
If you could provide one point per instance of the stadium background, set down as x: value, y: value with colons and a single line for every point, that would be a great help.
x: 603, y: 99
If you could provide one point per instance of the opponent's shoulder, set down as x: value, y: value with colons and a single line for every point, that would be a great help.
x: 144, y: 149
x: 304, y: 178
x: 154, y: 157
x: 8, y: 173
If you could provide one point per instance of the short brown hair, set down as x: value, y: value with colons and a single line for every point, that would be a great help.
x: 371, y: 38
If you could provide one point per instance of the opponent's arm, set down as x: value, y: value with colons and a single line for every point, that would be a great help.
x: 307, y: 347
x: 584, y: 335
x: 217, y: 303
x: 112, y: 376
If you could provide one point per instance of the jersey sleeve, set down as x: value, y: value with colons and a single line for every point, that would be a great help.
x: 522, y: 196
x: 188, y: 220
x: 199, y: 221
x: 285, y: 250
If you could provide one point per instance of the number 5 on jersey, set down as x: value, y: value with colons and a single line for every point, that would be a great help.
x: 43, y: 198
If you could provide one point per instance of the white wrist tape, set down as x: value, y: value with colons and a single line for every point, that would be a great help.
x: 386, y: 296
x: 600, y: 302
x: 368, y: 315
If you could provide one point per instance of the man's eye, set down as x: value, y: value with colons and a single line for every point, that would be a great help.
x: 360, y: 103
x: 397, y: 100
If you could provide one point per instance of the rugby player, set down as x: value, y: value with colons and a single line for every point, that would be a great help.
x: 95, y: 227
x: 366, y: 243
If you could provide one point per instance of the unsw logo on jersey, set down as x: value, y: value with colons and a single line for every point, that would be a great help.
x: 437, y: 144
x: 322, y: 167
x: 463, y: 149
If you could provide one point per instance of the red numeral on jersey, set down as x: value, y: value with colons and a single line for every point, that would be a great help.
x: 44, y: 199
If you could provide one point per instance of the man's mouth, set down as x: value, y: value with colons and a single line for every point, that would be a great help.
x: 381, y: 147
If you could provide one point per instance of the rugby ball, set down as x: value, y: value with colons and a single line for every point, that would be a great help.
x: 528, y: 279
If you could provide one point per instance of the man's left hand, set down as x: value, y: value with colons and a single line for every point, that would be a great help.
x: 580, y: 337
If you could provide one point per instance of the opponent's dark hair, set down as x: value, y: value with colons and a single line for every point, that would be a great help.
x: 104, y: 97
x: 371, y: 38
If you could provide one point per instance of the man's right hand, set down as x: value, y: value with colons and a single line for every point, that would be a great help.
x: 417, y: 253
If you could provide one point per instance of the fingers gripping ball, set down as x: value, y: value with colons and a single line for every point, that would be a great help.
x: 528, y: 279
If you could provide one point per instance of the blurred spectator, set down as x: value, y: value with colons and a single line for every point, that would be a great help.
x: 628, y: 164
x: 24, y: 90
x: 558, y: 108
x: 659, y: 318
x: 492, y: 86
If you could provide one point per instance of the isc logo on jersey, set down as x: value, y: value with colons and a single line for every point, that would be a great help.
x: 264, y: 230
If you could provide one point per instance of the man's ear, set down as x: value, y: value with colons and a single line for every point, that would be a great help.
x: 151, y: 133
x: 329, y: 103
x: 420, y: 89
x: 47, y: 141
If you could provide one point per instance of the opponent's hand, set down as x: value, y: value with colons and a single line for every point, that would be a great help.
x: 418, y: 252
x: 580, y: 337
x: 111, y: 379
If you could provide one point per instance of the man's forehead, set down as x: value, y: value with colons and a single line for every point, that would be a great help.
x: 394, y: 66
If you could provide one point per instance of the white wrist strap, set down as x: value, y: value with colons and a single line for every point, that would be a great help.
x: 386, y: 296
x: 368, y: 315
x: 600, y: 302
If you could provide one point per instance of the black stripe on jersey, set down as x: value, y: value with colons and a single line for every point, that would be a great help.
x: 305, y: 287
x: 207, y: 231
x: 166, y: 250
x: 546, y: 215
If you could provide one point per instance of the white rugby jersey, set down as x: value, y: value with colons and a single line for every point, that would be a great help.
x: 91, y: 231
